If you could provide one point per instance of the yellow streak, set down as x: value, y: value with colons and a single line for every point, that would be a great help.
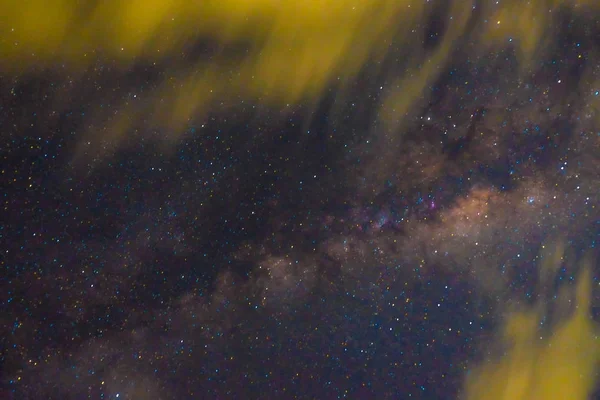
x: 289, y: 52
x: 559, y: 367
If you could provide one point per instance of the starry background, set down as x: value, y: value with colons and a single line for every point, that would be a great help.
x: 306, y: 250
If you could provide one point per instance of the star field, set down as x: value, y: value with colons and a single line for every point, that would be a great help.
x: 276, y: 245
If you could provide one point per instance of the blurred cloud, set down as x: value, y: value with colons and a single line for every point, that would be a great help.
x: 269, y: 52
x: 559, y: 364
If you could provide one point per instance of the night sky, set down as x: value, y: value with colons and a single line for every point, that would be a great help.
x: 332, y: 200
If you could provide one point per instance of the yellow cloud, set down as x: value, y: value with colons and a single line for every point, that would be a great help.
x: 269, y: 51
x: 561, y: 366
